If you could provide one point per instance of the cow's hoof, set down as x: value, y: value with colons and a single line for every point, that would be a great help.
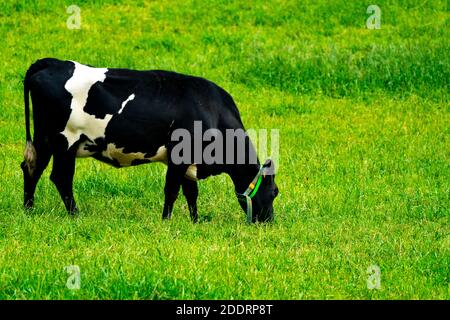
x: 74, y: 212
x: 28, y: 203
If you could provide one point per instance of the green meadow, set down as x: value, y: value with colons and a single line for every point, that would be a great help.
x: 364, y: 158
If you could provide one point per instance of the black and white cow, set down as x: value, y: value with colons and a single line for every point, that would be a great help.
x: 126, y: 117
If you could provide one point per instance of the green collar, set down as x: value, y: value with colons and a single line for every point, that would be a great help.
x: 250, y: 193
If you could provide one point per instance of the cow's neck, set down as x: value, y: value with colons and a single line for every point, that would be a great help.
x: 242, y: 175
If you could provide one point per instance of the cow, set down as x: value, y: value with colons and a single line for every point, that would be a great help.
x: 126, y: 117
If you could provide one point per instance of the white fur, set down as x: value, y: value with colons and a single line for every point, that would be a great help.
x: 131, y: 97
x: 80, y: 122
x: 191, y: 172
x: 125, y: 159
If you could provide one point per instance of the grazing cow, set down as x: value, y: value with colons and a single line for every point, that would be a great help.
x: 125, y: 118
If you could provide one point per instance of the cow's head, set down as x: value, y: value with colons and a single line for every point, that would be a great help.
x: 257, y: 200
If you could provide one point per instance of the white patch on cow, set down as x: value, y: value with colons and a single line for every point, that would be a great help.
x: 191, y: 172
x: 161, y: 155
x: 126, y: 159
x: 82, y: 152
x: 131, y: 97
x: 80, y: 122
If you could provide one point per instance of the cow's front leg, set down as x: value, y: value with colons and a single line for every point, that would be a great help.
x: 62, y: 176
x: 190, y: 191
x: 174, y: 177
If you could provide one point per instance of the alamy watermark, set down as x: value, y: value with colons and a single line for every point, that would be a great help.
x: 74, y: 280
x: 74, y: 20
x: 374, y: 277
x: 231, y: 146
x: 374, y: 20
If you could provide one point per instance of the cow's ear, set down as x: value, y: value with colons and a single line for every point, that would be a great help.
x: 268, y: 168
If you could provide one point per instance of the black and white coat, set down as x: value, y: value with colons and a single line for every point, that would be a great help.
x: 124, y: 118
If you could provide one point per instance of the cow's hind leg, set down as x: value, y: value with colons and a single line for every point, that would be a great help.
x: 190, y: 191
x: 62, y: 176
x: 37, y: 157
x: 174, y: 177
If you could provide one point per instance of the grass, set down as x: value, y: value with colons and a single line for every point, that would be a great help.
x: 364, y: 156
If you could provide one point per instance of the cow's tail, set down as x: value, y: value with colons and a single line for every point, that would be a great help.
x: 30, y: 152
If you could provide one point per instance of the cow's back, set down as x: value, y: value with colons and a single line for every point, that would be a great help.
x: 123, y: 116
